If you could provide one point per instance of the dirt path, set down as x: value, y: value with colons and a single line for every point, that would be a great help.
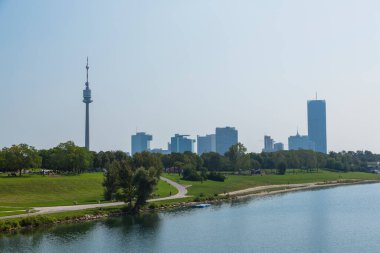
x: 57, y: 209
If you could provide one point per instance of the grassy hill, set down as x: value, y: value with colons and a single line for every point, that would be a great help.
x: 36, y: 190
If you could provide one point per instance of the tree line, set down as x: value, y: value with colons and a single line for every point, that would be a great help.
x: 69, y: 158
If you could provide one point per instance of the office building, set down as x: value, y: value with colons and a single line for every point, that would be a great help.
x: 206, y: 144
x: 180, y: 144
x: 160, y: 151
x: 316, y: 120
x: 279, y: 146
x: 268, y: 144
x: 140, y: 142
x: 225, y: 138
x: 298, y: 142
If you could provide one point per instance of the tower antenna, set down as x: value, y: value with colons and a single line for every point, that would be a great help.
x: 87, y: 67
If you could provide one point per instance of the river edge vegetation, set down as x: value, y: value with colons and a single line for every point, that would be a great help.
x: 133, y: 179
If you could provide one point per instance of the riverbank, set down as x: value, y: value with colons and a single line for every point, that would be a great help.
x: 31, y: 222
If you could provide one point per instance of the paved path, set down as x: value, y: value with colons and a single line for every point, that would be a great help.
x: 182, y: 191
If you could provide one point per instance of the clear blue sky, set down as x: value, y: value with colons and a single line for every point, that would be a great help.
x: 182, y: 66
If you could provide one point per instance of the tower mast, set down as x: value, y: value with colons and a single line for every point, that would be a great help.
x: 87, y: 100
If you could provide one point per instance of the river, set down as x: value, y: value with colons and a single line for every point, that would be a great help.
x: 341, y: 219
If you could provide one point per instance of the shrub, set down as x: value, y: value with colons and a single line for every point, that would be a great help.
x: 36, y: 221
x: 197, y: 199
x: 152, y: 206
x: 216, y: 176
x: 191, y: 175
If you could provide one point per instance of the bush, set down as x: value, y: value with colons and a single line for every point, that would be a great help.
x: 191, y: 175
x: 152, y: 206
x: 36, y: 221
x: 216, y: 176
x: 6, y: 226
x: 197, y: 199
x: 281, y: 168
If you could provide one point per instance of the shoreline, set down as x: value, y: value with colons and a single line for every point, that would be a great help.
x: 259, y: 191
x: 262, y: 190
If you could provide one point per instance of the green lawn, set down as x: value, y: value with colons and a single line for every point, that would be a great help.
x: 235, y: 182
x: 37, y: 190
x: 164, y: 189
x: 6, y: 211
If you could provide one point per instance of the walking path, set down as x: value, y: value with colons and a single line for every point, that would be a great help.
x: 182, y: 191
x: 274, y: 189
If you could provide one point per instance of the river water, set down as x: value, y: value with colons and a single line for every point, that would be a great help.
x: 342, y: 219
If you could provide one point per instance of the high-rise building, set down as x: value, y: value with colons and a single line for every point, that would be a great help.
x: 160, y: 151
x: 268, y: 144
x: 87, y: 100
x: 279, y: 146
x: 225, y: 138
x: 206, y: 144
x: 298, y: 141
x: 180, y: 144
x: 316, y: 120
x: 141, y: 142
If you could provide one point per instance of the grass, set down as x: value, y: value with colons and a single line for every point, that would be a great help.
x: 38, y: 191
x: 164, y: 189
x: 6, y: 211
x: 236, y: 182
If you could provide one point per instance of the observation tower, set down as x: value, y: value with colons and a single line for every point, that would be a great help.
x: 87, y: 100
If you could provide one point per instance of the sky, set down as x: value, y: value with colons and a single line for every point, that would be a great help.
x: 166, y: 67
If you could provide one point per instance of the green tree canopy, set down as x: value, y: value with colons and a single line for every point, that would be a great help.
x: 19, y: 157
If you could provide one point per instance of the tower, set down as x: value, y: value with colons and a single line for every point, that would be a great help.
x: 87, y: 100
x: 316, y: 119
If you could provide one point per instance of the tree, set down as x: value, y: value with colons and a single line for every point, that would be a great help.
x: 236, y: 155
x: 212, y: 161
x: 144, y: 181
x: 129, y: 181
x: 19, y: 157
x: 71, y: 158
x: 281, y: 168
x: 110, y: 182
x: 2, y: 160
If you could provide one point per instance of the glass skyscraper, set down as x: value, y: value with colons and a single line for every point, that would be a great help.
x: 225, y: 138
x: 180, y: 144
x: 316, y: 120
x: 140, y: 142
x: 206, y: 144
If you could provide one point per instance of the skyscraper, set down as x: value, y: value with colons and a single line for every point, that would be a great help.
x: 87, y: 100
x: 298, y: 142
x: 268, y: 144
x: 206, y: 144
x: 279, y: 146
x: 225, y: 138
x: 316, y: 120
x: 140, y: 142
x: 180, y: 144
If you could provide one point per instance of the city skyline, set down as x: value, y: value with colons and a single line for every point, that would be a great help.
x: 251, y: 65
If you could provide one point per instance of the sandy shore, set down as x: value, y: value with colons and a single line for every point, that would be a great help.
x: 282, y: 188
